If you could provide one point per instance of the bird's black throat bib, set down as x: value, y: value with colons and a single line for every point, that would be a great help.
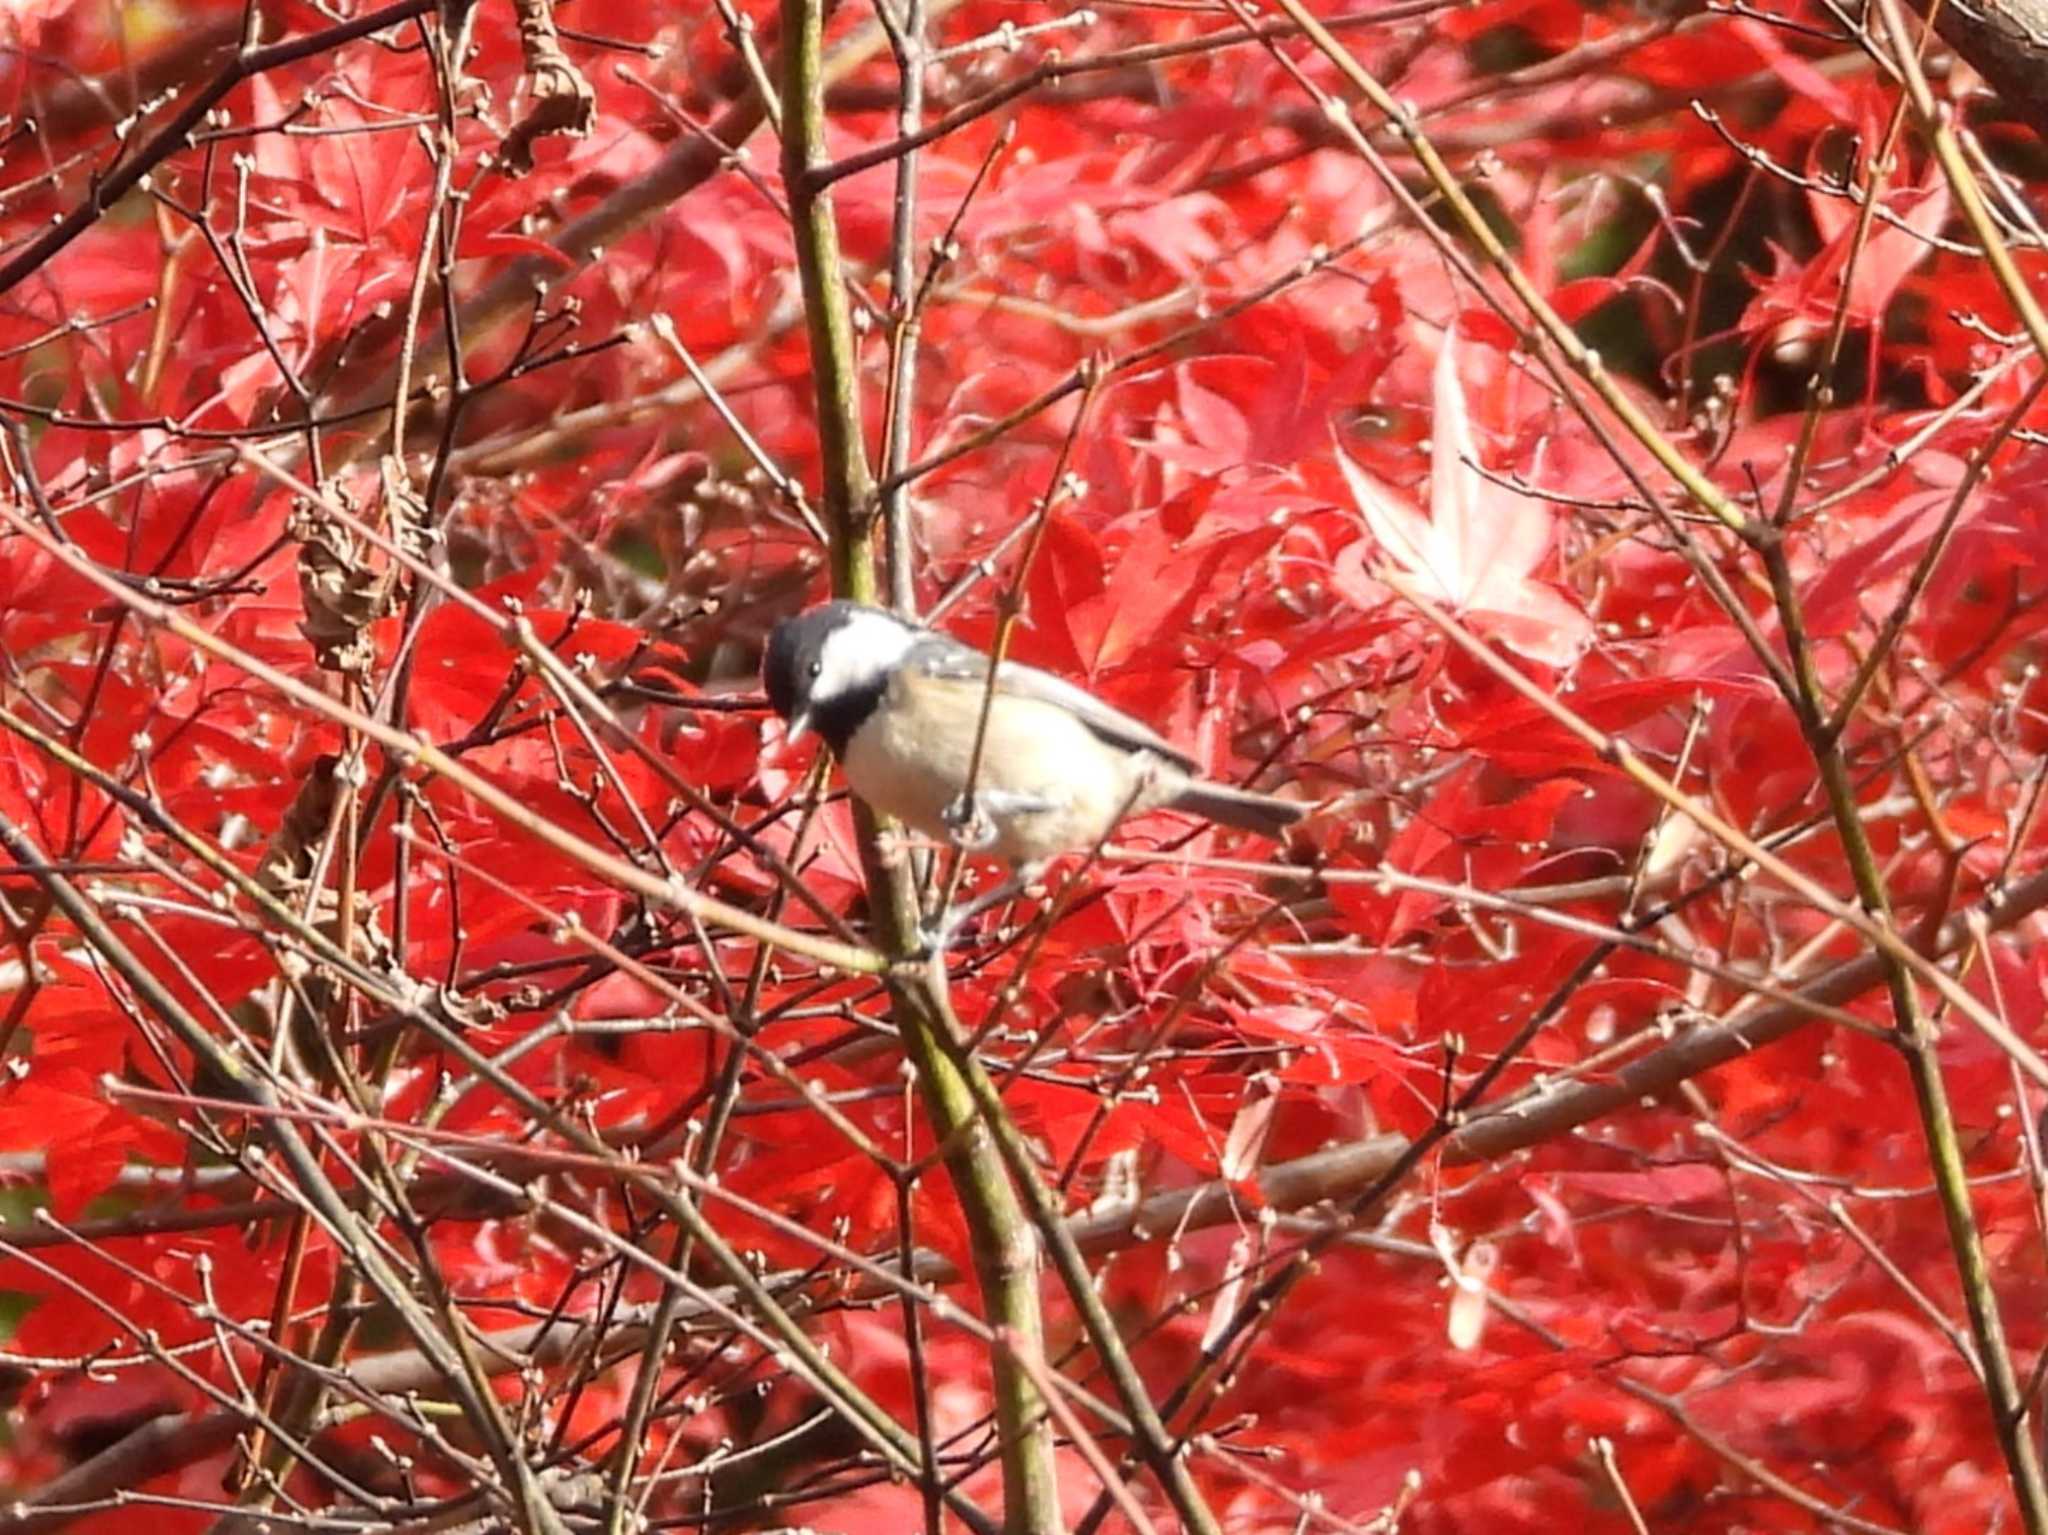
x: 837, y: 720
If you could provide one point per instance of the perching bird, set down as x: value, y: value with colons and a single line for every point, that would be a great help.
x: 900, y: 706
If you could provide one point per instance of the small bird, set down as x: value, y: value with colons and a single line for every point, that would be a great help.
x: 900, y: 706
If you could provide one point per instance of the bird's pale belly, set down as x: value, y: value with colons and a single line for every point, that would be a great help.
x: 1047, y: 784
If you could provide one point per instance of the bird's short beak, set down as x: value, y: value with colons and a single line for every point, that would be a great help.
x: 799, y: 725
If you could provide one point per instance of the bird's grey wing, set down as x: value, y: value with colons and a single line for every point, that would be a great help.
x: 939, y: 655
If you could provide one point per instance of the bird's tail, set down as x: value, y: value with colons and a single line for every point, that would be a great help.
x: 1261, y: 813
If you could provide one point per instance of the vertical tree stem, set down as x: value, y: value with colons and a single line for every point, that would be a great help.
x: 1005, y: 1245
x: 1005, y: 1248
x: 835, y: 366
x: 1917, y: 1038
x: 906, y: 37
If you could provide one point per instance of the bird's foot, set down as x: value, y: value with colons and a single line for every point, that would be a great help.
x: 975, y: 823
x: 937, y: 936
x: 968, y: 823
x: 940, y: 933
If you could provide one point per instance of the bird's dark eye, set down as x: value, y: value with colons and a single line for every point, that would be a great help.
x: 817, y: 668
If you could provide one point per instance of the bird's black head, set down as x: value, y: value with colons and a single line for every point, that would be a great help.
x: 826, y: 668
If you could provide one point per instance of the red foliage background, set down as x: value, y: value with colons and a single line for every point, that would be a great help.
x: 1166, y: 308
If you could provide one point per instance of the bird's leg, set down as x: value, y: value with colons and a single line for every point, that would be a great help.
x: 973, y: 820
x: 968, y: 823
x: 939, y: 936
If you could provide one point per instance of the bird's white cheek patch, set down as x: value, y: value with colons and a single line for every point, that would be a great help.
x: 859, y: 653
